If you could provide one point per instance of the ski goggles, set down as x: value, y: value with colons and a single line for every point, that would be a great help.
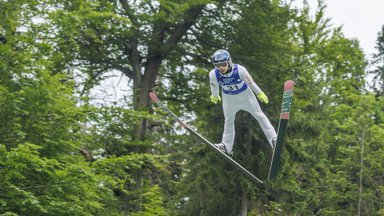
x: 221, y: 64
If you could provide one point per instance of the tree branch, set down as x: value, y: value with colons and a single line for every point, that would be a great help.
x: 189, y: 19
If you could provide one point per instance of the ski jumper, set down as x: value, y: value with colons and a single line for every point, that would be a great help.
x: 237, y: 95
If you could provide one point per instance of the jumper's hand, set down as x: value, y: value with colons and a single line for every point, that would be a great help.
x: 263, y: 97
x: 215, y: 99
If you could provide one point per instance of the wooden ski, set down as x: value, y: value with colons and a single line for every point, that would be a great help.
x: 284, y: 117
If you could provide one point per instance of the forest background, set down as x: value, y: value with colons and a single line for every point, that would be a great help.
x: 63, y: 154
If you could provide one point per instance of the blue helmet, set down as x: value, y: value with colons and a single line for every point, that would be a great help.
x: 221, y: 58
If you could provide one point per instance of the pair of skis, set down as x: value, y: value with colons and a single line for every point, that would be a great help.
x: 284, y: 117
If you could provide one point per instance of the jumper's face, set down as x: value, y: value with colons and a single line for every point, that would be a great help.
x: 222, y: 66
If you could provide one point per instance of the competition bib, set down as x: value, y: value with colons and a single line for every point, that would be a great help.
x: 231, y: 84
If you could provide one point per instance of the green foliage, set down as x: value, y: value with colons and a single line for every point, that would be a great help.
x: 378, y: 63
x: 41, y: 111
x: 332, y: 157
x: 110, y: 129
x: 135, y: 179
x: 35, y: 185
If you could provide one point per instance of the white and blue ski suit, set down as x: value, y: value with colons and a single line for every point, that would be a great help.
x: 237, y: 86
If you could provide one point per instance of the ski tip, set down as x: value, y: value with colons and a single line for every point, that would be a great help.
x: 288, y: 85
x: 153, y: 96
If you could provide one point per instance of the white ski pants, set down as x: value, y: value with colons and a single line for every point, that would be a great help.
x: 246, y: 101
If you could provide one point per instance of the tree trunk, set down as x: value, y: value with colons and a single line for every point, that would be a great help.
x: 244, y: 204
x: 162, y: 42
x: 248, y: 151
x: 141, y: 99
x: 361, y: 174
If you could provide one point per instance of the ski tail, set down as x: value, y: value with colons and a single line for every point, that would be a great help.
x: 283, y: 122
x: 154, y: 98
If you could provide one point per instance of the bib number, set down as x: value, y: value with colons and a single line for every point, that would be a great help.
x: 232, y: 88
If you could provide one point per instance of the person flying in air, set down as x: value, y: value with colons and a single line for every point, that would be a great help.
x: 237, y: 86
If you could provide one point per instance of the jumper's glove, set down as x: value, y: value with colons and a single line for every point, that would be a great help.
x: 215, y: 99
x: 263, y: 97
